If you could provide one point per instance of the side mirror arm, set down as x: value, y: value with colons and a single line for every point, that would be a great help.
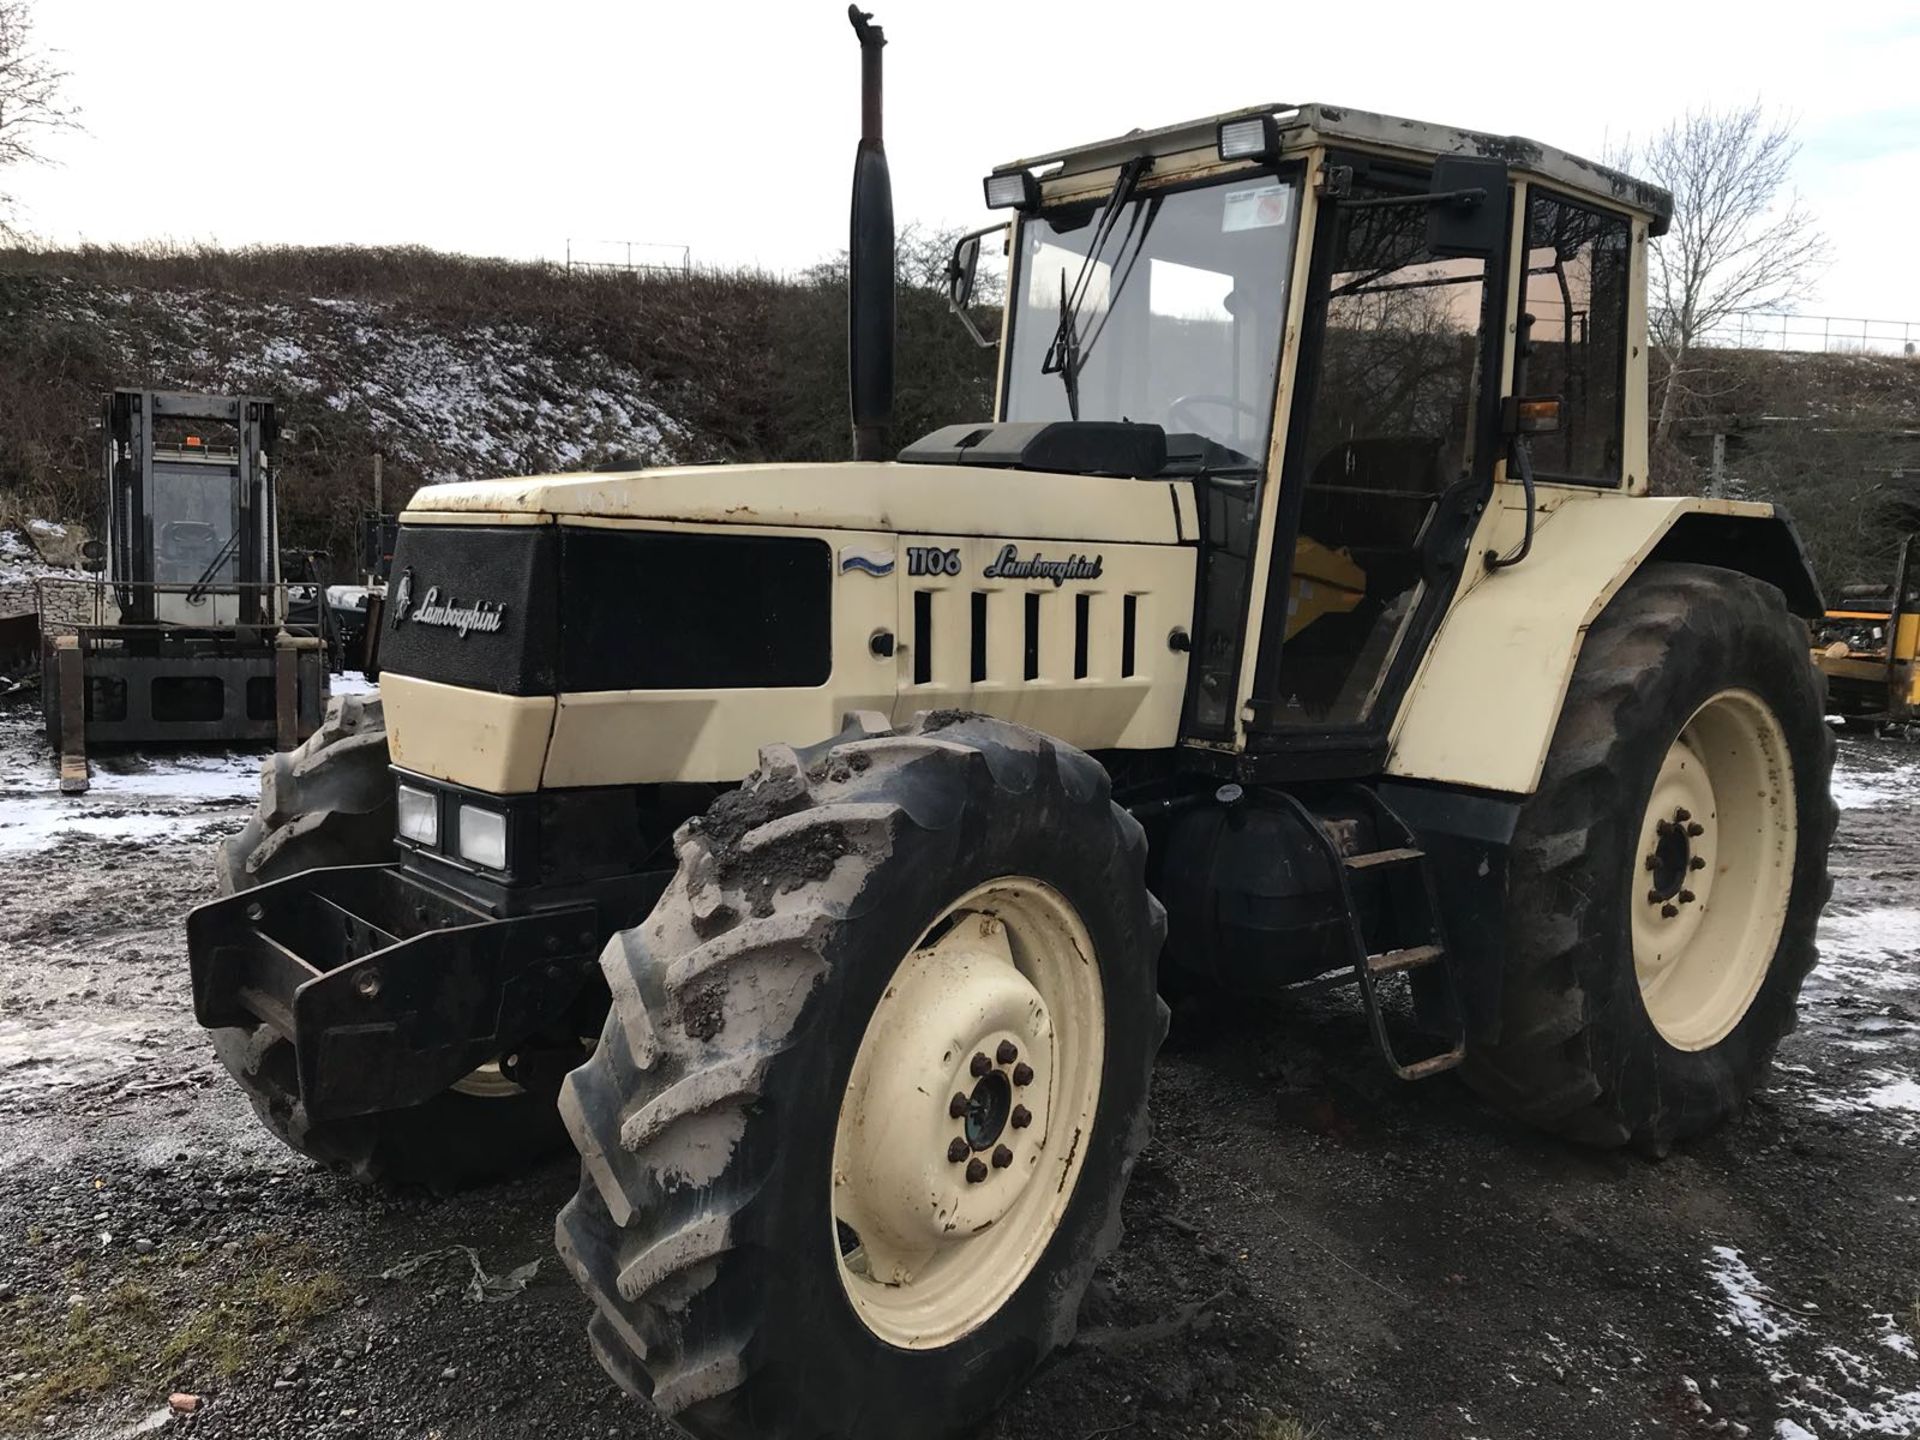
x: 961, y: 268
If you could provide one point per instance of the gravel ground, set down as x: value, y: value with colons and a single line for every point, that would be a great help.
x: 1312, y: 1246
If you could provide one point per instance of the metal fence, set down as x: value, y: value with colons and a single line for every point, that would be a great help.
x: 631, y: 256
x: 1835, y: 334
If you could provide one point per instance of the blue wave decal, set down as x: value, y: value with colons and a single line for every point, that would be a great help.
x: 867, y: 562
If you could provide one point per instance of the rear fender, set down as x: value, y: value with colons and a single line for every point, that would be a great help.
x: 1484, y: 704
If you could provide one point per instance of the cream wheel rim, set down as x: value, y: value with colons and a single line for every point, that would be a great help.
x: 967, y: 1115
x: 1714, y: 870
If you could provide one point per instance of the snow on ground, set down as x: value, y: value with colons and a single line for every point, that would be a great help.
x: 1835, y: 1393
x: 135, y: 795
x: 162, y: 794
x: 1899, y: 1095
x: 20, y: 564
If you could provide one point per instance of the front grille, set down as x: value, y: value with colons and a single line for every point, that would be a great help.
x: 533, y: 610
x: 652, y: 610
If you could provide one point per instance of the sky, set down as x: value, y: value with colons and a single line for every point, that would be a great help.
x: 729, y: 128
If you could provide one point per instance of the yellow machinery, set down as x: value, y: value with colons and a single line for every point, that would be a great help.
x: 1866, y: 646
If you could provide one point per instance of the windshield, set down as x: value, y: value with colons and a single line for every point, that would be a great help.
x: 1174, y: 322
x: 194, y: 526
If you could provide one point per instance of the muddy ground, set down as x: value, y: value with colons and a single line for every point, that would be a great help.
x: 1312, y: 1247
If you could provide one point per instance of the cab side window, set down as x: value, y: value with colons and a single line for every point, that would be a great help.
x: 1576, y: 292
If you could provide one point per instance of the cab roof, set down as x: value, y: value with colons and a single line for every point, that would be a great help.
x: 1304, y: 125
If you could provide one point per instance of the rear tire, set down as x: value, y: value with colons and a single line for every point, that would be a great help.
x: 712, y: 1225
x: 331, y: 802
x: 1633, y: 1009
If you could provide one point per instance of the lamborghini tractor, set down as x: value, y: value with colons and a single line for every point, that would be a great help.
x: 808, y: 844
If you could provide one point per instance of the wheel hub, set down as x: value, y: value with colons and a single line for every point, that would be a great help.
x: 987, y: 1110
x: 1672, y: 864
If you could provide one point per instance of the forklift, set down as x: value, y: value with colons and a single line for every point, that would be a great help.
x: 185, y: 634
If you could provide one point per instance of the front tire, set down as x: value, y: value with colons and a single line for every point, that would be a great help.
x: 875, y: 1077
x: 1668, y: 873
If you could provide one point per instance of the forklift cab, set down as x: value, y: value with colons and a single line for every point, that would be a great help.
x: 192, y: 532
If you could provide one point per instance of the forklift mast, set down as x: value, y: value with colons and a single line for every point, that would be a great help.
x: 185, y: 511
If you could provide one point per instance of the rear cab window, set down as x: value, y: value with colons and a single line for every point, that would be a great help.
x: 1577, y: 277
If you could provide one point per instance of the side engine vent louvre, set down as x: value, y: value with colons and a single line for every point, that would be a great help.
x: 922, y: 636
x: 1031, y: 670
x: 979, y: 666
x: 1129, y: 626
x: 1082, y: 622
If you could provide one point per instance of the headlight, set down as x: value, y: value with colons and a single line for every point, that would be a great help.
x: 483, y: 837
x: 419, y: 816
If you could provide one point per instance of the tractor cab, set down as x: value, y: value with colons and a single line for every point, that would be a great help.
x: 1349, y: 329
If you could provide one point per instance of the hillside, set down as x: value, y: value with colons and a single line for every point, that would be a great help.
x: 454, y: 368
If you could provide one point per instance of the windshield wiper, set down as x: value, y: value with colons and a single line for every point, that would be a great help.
x: 1064, y: 355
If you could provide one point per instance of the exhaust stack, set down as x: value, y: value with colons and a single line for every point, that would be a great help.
x: 870, y: 262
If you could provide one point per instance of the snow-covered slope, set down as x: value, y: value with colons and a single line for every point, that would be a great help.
x: 444, y: 402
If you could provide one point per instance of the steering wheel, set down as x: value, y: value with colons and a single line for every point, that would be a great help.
x: 1178, y: 406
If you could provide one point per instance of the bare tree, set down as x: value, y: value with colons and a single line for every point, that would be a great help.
x: 33, y: 104
x: 1741, y: 238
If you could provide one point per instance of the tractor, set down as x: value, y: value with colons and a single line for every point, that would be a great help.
x: 809, y: 844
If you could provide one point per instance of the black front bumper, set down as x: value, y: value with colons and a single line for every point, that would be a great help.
x: 389, y: 989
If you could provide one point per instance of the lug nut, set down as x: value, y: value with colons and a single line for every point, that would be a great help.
x: 1683, y: 815
x: 1663, y: 827
x: 1007, y: 1053
x: 957, y: 1106
x: 981, y: 1064
x: 1653, y: 897
x: 1020, y: 1118
x: 1686, y: 897
x: 1002, y: 1157
x: 1698, y: 862
x: 1023, y: 1074
x: 956, y: 1150
x: 1652, y: 863
x: 1696, y: 828
x: 976, y: 1171
x: 1669, y: 911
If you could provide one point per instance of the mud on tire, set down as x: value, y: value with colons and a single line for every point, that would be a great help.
x: 704, y: 1226
x: 1579, y: 1053
x: 331, y: 802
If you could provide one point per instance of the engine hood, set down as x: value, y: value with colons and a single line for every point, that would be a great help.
x: 886, y: 496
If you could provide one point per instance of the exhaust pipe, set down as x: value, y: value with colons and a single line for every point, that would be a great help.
x: 870, y: 262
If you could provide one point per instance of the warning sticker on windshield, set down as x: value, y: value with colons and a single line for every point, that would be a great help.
x: 1258, y: 207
